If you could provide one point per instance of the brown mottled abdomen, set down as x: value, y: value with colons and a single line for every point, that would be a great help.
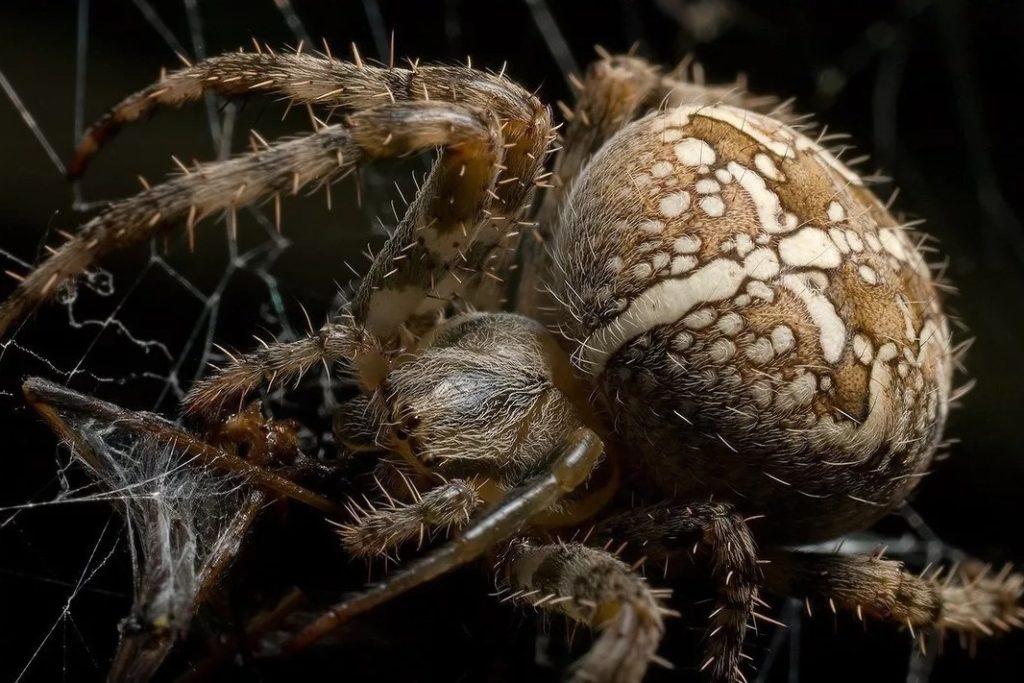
x: 758, y: 323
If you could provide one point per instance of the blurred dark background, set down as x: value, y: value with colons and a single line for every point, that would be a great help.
x: 928, y: 88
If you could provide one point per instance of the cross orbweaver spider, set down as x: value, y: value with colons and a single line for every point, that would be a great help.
x: 741, y: 330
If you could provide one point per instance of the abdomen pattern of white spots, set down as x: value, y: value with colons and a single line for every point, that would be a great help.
x: 730, y: 282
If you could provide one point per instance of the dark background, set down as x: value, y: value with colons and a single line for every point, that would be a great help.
x: 929, y: 89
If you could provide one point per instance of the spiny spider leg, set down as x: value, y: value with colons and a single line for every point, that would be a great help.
x: 478, y: 190
x: 569, y: 468
x: 386, y: 526
x: 393, y: 130
x: 328, y: 83
x: 406, y: 276
x: 969, y: 600
x: 725, y: 539
x: 52, y: 400
x: 280, y: 362
x: 323, y: 81
x: 595, y: 588
x: 195, y: 194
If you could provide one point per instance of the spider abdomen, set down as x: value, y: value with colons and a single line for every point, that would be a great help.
x: 755, y: 317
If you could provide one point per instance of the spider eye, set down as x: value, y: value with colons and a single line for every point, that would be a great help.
x: 406, y: 426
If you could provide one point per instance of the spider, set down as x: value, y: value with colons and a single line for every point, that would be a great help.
x: 722, y: 346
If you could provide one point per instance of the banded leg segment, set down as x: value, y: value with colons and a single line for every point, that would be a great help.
x: 412, y: 273
x: 322, y: 81
x: 594, y: 588
x: 716, y: 533
x: 969, y: 600
x: 567, y: 469
x: 317, y: 81
x: 281, y: 362
x: 191, y: 196
x: 287, y: 168
x: 428, y: 245
x: 376, y: 530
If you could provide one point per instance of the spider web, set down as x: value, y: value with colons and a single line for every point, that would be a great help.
x: 177, y: 365
x: 171, y: 366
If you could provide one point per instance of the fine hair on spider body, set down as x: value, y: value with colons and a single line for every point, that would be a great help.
x: 714, y: 321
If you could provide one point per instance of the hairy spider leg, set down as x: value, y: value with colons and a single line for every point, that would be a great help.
x: 193, y: 195
x: 718, y: 535
x: 429, y: 243
x: 451, y: 230
x: 595, y: 588
x: 569, y: 468
x: 327, y: 83
x: 378, y: 529
x: 970, y: 600
x: 391, y: 130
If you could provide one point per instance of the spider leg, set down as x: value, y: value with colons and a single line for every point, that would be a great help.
x: 322, y: 82
x: 969, y: 600
x: 213, y: 187
x: 495, y: 141
x: 594, y: 588
x: 436, y: 227
x: 415, y: 271
x: 569, y: 468
x: 685, y: 85
x: 717, y: 533
x: 281, y: 362
x: 53, y: 402
x: 377, y: 529
x: 347, y: 87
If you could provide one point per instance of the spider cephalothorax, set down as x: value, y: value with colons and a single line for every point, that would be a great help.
x: 742, y: 329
